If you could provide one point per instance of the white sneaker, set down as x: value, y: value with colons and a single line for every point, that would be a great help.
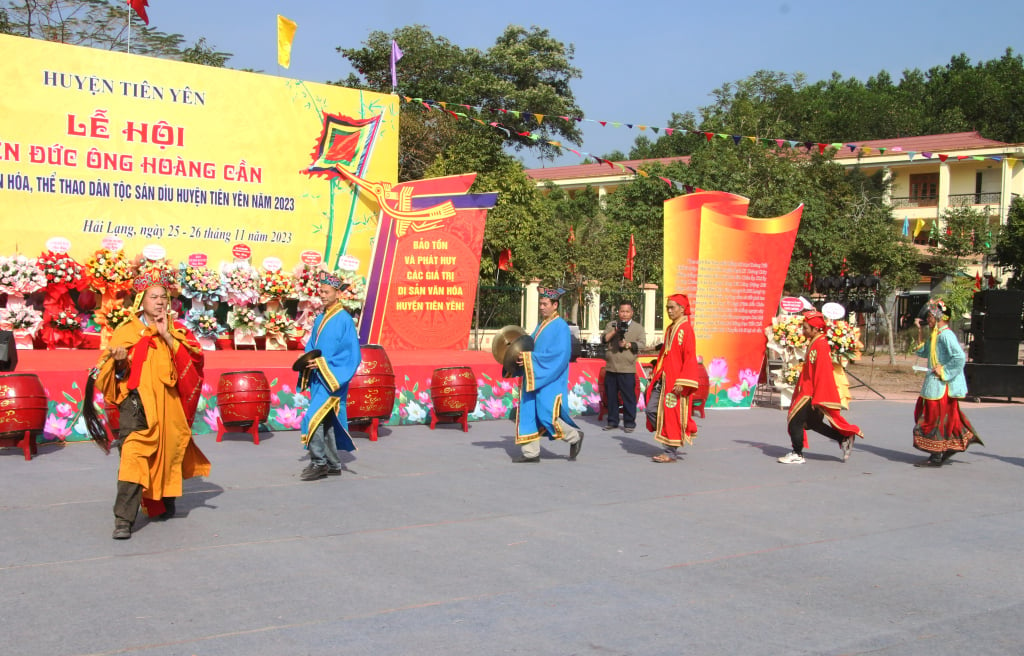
x: 792, y: 458
x: 847, y: 447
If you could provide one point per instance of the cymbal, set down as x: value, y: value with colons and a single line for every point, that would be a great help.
x: 507, y: 346
x: 304, y: 360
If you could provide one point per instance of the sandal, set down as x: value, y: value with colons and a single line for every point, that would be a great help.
x: 663, y: 457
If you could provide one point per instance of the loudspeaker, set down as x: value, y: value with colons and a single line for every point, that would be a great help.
x: 994, y: 351
x: 8, y: 351
x: 1003, y: 302
x: 996, y: 326
x: 994, y: 380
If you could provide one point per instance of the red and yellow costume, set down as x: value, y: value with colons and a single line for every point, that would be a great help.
x: 677, y: 366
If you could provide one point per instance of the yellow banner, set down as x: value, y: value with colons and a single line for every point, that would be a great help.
x: 95, y: 144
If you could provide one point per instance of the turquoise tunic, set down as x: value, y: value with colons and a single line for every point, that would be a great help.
x: 334, y: 334
x: 544, y: 392
x: 949, y: 361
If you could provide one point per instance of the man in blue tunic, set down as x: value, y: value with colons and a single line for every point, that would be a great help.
x: 325, y: 426
x: 544, y: 392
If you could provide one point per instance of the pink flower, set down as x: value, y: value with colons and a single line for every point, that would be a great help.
x: 593, y: 400
x: 736, y: 394
x: 748, y: 378
x: 288, y: 417
x: 210, y: 417
x: 718, y: 371
x: 57, y: 428
x: 207, y: 389
x: 64, y: 410
x: 424, y: 398
x: 286, y: 389
x: 480, y: 382
x: 495, y: 408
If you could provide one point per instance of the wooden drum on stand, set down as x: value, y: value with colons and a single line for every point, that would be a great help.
x: 23, y: 407
x: 371, y: 392
x: 243, y: 398
x: 453, y: 394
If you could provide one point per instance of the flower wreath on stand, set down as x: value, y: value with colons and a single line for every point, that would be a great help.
x: 19, y: 277
x: 307, y: 291
x: 241, y: 284
x: 280, y: 328
x: 109, y: 273
x: 63, y: 274
x: 203, y: 324
x: 274, y: 288
x: 114, y: 316
x: 202, y: 285
x: 246, y: 323
x: 843, y: 341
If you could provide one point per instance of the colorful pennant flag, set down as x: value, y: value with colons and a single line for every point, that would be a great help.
x: 906, y: 227
x: 630, y: 256
x: 396, y: 54
x: 140, y: 8
x: 505, y: 260
x: 285, y: 35
x: 918, y: 226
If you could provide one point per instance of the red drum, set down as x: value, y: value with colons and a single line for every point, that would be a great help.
x: 23, y: 407
x: 453, y: 390
x: 371, y: 393
x: 243, y: 398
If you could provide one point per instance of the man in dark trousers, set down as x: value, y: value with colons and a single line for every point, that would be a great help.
x: 624, y: 337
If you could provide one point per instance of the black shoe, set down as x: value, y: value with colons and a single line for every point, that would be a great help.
x: 331, y: 471
x: 948, y: 454
x: 169, y: 508
x: 525, y: 459
x: 610, y: 427
x: 929, y: 463
x: 574, y: 449
x: 314, y: 473
x: 122, y: 529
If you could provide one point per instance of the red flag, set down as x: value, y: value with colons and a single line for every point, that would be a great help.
x: 977, y: 282
x: 505, y: 260
x: 140, y: 8
x: 572, y: 235
x: 630, y: 256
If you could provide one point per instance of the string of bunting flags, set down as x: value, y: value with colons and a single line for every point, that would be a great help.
x: 821, y: 147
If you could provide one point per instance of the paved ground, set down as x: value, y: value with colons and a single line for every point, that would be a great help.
x: 433, y: 543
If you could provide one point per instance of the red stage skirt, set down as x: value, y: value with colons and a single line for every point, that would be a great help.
x: 940, y: 426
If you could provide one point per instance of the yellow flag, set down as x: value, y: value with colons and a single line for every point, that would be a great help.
x: 285, y: 34
x: 918, y: 226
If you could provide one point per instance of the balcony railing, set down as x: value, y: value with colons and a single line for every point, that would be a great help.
x: 955, y: 200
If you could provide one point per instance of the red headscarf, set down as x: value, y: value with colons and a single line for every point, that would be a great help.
x: 683, y: 301
x: 815, y: 319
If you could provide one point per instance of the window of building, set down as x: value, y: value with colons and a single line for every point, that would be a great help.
x: 924, y: 189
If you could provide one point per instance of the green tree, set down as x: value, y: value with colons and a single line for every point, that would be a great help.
x: 526, y: 70
x: 961, y: 240
x: 101, y: 24
x: 1010, y: 249
x: 5, y: 22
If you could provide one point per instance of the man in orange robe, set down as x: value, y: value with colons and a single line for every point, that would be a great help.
x: 673, y: 382
x: 161, y: 361
x: 816, y: 397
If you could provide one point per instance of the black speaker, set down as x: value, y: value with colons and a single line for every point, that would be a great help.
x: 997, y: 326
x: 994, y: 351
x: 1002, y: 302
x: 8, y: 351
x: 994, y: 380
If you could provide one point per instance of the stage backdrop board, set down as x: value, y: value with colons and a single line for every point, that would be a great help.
x: 195, y: 158
x: 733, y: 268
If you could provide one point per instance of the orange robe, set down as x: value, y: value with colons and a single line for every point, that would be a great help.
x: 170, y: 383
x: 677, y: 365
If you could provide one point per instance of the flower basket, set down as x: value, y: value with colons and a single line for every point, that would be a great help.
x: 244, y: 337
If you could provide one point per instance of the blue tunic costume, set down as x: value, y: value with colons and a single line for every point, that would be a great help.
x: 545, y: 387
x: 334, y: 334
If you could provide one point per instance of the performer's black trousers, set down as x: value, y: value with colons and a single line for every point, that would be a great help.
x: 624, y: 385
x: 126, y: 504
x: 813, y: 419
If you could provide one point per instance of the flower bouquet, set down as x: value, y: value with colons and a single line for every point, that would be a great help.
x: 62, y: 329
x: 241, y: 284
x: 23, y: 321
x: 843, y: 341
x: 203, y: 324
x: 109, y: 271
x: 60, y: 270
x: 200, y: 284
x: 246, y: 324
x: 19, y: 276
x: 307, y: 290
x: 114, y: 316
x: 279, y: 328
x: 274, y: 286
x: 62, y: 274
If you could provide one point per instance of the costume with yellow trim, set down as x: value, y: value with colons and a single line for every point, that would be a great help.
x: 334, y: 335
x: 169, y: 381
x: 817, y: 386
x: 677, y: 365
x: 940, y: 426
x: 544, y: 392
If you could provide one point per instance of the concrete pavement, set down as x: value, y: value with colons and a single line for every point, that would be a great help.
x: 432, y: 542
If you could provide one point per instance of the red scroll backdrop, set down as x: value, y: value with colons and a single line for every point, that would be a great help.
x: 733, y: 268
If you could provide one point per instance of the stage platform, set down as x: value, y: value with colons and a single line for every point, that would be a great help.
x: 63, y: 374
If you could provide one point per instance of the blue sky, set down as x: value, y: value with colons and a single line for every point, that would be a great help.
x: 641, y: 61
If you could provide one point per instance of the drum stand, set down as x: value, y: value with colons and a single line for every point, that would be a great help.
x: 460, y: 418
x: 368, y: 427
x: 253, y: 430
